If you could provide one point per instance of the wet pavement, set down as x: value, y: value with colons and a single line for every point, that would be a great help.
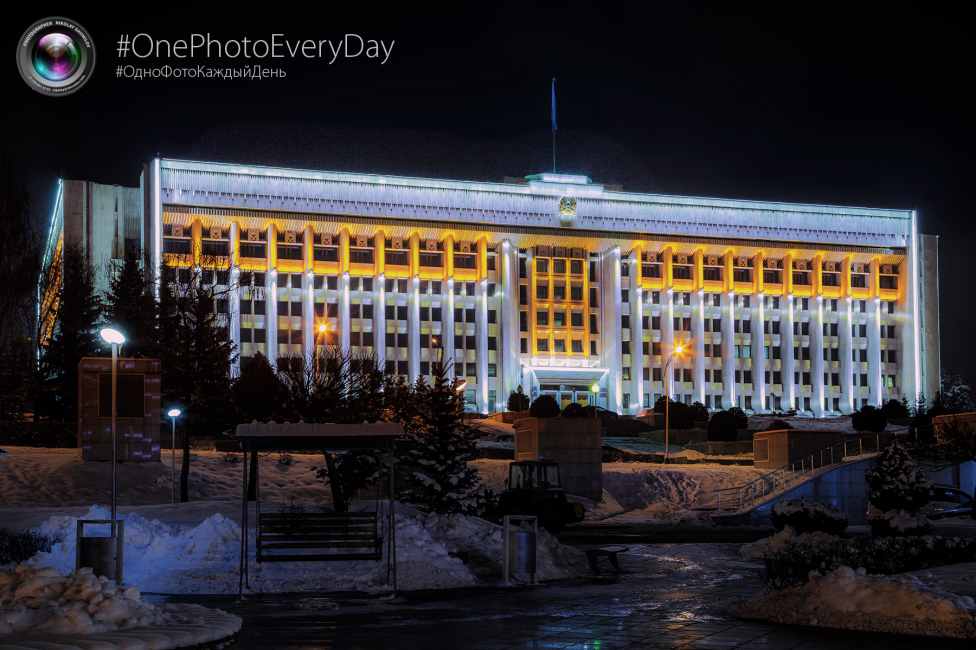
x: 667, y: 596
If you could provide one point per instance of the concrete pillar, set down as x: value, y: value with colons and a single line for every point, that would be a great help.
x: 636, y: 336
x: 611, y: 326
x: 309, y: 332
x: 234, y: 310
x: 379, y: 298
x: 728, y: 340
x: 344, y: 289
x: 817, y: 350
x: 667, y: 320
x: 481, y: 326
x: 787, y: 346
x: 874, y: 349
x: 847, y: 402
x: 698, y: 326
x: 508, y: 327
x: 759, y: 363
x: 271, y: 320
x: 413, y: 327
x: 447, y: 335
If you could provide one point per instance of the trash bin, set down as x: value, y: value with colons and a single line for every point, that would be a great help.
x: 519, y: 547
x: 102, y: 554
x: 522, y: 552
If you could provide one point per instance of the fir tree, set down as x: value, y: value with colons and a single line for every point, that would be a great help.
x: 130, y: 305
x: 442, y: 444
x: 196, y: 353
x: 75, y: 336
x: 896, y: 482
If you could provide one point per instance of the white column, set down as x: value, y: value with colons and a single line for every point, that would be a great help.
x: 448, y: 334
x: 786, y: 352
x: 728, y: 350
x: 667, y: 339
x: 817, y: 357
x: 759, y: 353
x: 636, y: 340
x: 847, y: 401
x: 344, y: 310
x: 508, y: 328
x: 481, y: 343
x: 413, y: 329
x: 271, y: 320
x: 874, y: 350
x: 610, y: 308
x: 698, y: 334
x: 234, y: 311
x: 308, y: 310
x: 379, y: 320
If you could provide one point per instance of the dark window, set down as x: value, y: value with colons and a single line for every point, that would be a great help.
x: 425, y: 313
x: 397, y: 258
x: 368, y: 339
x: 401, y: 338
x: 435, y: 314
x: 492, y: 316
x: 390, y: 312
x: 542, y: 291
x: 260, y: 336
x: 593, y: 327
x: 523, y: 321
x: 576, y: 319
x: 458, y: 314
x: 470, y: 342
x: 252, y: 250
x: 594, y: 302
x: 260, y: 307
x: 332, y: 282
x: 286, y: 252
x: 469, y: 315
x: 332, y: 310
x: 245, y: 306
x: 523, y: 294
x: 492, y: 343
x: 523, y: 343
x: 625, y: 322
x: 391, y: 339
x: 465, y: 261
x: 354, y: 311
x: 625, y: 347
x: 593, y: 348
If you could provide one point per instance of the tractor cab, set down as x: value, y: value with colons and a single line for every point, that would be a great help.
x: 534, y: 489
x: 533, y: 475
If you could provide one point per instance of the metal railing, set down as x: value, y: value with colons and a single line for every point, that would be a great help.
x: 789, y: 476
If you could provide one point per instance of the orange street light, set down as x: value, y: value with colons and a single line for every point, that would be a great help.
x: 678, y: 349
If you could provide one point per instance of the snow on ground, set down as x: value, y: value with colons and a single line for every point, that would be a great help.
x: 851, y: 599
x: 956, y: 578
x: 34, y: 477
x: 204, y: 558
x: 647, y: 492
x: 43, y: 600
x: 839, y: 423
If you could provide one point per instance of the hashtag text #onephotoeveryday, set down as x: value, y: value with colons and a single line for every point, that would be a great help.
x: 350, y: 46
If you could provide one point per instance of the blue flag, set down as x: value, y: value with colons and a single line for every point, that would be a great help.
x: 554, y: 127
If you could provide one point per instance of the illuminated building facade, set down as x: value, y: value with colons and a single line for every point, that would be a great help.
x: 554, y: 283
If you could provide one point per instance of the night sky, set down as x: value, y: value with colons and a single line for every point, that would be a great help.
x: 867, y: 107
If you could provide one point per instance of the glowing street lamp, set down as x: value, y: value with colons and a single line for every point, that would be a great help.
x: 678, y: 349
x: 595, y: 389
x: 116, y: 338
x: 321, y: 330
x: 173, y: 413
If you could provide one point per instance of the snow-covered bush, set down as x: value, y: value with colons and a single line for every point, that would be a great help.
x: 898, y: 523
x: 285, y: 459
x: 230, y: 457
x: 808, y: 516
x: 896, y: 482
x: 791, y: 558
x: 779, y: 425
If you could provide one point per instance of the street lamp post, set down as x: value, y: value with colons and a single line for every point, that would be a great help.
x: 321, y: 330
x: 667, y: 400
x: 172, y: 470
x: 116, y: 338
x: 595, y: 389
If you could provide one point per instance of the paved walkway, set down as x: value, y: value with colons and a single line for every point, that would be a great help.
x: 669, y: 596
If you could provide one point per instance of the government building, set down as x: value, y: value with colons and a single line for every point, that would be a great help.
x: 550, y: 282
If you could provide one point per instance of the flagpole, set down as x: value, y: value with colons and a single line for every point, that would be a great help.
x: 554, y: 125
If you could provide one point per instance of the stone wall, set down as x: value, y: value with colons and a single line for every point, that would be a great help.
x: 576, y: 444
x: 137, y: 438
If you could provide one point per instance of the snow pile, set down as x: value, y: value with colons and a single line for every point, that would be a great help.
x: 759, y: 549
x: 900, y: 522
x: 845, y: 598
x: 670, y: 495
x: 794, y: 506
x: 46, y: 601
x: 204, y: 558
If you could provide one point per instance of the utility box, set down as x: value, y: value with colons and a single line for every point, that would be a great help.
x: 137, y: 405
x: 575, y: 443
x: 775, y: 449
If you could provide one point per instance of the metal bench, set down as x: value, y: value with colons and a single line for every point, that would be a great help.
x: 289, y: 536
x: 609, y: 552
